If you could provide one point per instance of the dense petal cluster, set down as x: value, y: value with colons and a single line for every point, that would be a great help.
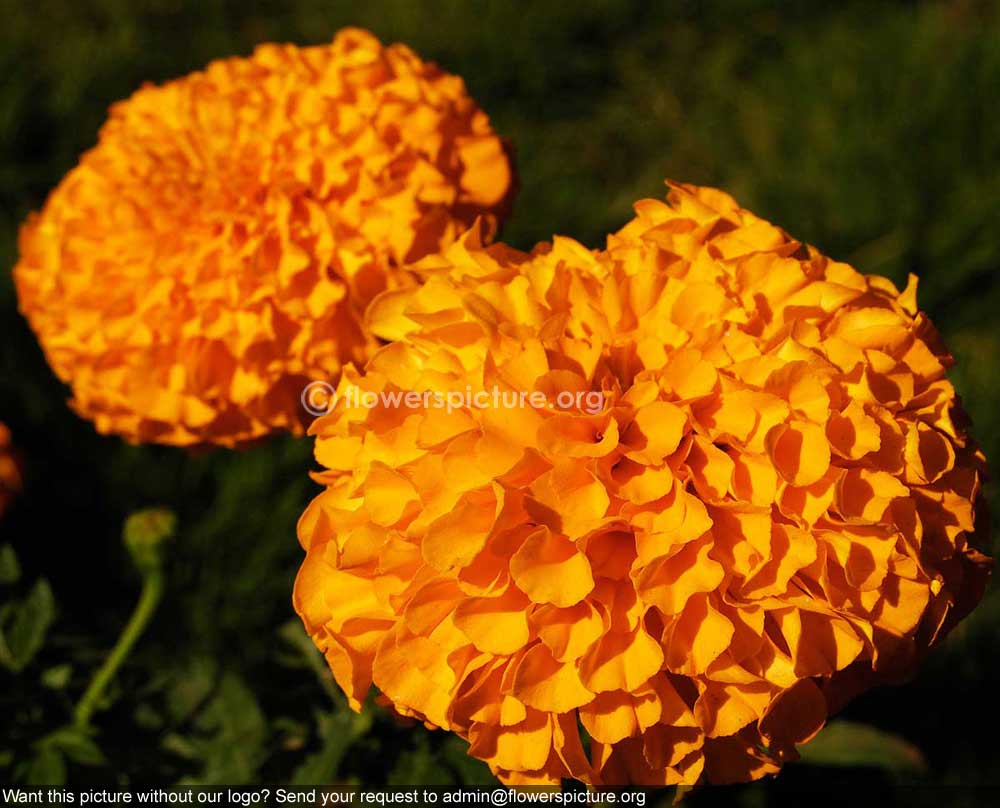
x: 770, y: 508
x: 10, y: 470
x: 214, y: 251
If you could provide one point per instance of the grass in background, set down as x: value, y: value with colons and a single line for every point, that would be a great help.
x: 868, y: 129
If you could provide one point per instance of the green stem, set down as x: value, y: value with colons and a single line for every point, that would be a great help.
x: 152, y: 591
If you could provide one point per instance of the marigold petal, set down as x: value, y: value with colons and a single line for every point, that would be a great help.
x: 655, y: 432
x: 795, y: 716
x: 457, y: 537
x: 696, y: 638
x: 495, y: 625
x: 668, y: 583
x: 523, y: 747
x: 615, y: 715
x: 413, y: 672
x: 568, y: 632
x: 543, y: 682
x: 799, y: 451
x: 621, y: 661
x: 550, y: 569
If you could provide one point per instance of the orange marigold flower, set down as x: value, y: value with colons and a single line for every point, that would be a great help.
x: 214, y: 251
x: 10, y: 470
x: 741, y: 490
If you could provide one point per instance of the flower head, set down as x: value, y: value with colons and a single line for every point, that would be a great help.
x: 214, y: 251
x: 771, y: 507
x: 10, y: 470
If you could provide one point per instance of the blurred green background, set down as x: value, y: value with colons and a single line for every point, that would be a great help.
x: 868, y: 129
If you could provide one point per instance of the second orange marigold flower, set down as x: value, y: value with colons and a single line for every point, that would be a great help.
x: 214, y: 251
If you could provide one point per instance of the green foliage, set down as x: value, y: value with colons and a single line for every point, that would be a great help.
x: 847, y: 743
x: 24, y: 624
x: 228, y: 736
x: 54, y: 753
x: 336, y: 731
x: 10, y: 570
x: 868, y: 129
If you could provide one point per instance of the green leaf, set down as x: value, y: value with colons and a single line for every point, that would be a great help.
x: 846, y: 743
x: 292, y: 632
x: 77, y: 745
x: 418, y: 765
x: 469, y: 771
x: 338, y: 730
x: 47, y: 768
x: 57, y: 677
x: 23, y: 630
x: 191, y: 686
x: 10, y: 570
x: 295, y: 635
x: 179, y: 745
x: 147, y: 717
x: 231, y: 735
